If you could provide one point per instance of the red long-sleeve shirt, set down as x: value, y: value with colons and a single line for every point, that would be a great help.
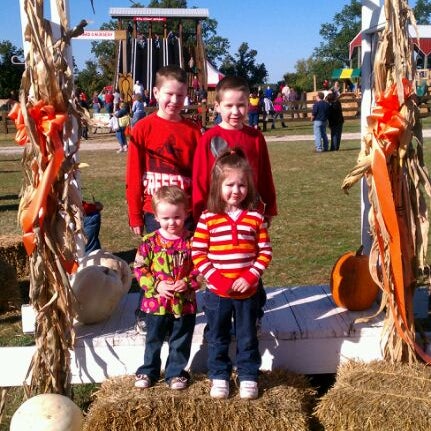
x: 252, y: 142
x: 160, y: 154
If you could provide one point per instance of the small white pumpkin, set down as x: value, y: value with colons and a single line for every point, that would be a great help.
x: 101, y: 281
x: 47, y: 412
x: 104, y: 258
x: 98, y: 290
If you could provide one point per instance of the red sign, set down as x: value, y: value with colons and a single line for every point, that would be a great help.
x: 150, y: 18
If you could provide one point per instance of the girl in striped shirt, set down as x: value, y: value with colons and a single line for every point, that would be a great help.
x: 231, y: 248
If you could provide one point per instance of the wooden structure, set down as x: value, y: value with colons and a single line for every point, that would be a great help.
x: 302, y: 330
x: 156, y: 37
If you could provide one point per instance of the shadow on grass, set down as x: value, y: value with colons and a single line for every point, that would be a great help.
x: 8, y: 197
x: 9, y: 207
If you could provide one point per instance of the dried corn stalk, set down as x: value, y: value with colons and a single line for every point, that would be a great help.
x: 392, y: 161
x: 47, y: 123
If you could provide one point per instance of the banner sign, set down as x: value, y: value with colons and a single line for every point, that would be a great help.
x: 149, y: 18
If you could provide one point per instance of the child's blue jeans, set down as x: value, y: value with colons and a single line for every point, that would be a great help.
x: 219, y: 313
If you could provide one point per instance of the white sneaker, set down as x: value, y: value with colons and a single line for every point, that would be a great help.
x: 219, y: 389
x: 248, y: 390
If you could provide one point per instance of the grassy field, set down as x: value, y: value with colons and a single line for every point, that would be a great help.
x: 316, y: 223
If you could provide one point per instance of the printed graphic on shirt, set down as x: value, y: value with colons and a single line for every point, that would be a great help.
x: 154, y: 180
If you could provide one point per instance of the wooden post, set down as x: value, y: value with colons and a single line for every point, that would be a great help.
x: 371, y: 23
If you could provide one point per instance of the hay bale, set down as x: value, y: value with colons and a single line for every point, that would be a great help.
x: 284, y: 404
x: 12, y: 251
x: 10, y: 295
x: 378, y: 396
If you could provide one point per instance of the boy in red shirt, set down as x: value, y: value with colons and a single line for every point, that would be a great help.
x: 232, y: 96
x: 161, y: 150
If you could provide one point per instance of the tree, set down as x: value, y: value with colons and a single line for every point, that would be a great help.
x: 243, y: 63
x: 90, y: 79
x: 10, y: 74
x: 216, y: 46
x: 338, y: 34
x: 104, y: 52
x: 422, y: 12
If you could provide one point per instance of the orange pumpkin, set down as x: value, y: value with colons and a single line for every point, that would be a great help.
x: 351, y: 284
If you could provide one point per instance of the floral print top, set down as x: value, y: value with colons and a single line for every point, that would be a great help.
x: 161, y: 259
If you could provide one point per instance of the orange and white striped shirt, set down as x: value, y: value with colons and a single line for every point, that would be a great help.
x: 224, y: 249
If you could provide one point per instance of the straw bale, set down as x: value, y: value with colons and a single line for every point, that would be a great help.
x: 9, y: 290
x: 378, y: 396
x: 13, y: 252
x: 285, y: 403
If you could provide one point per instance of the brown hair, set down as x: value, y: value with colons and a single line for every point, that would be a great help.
x: 231, y: 83
x: 172, y: 195
x: 171, y: 71
x: 233, y: 158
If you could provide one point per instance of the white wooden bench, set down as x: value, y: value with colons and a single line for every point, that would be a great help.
x: 302, y: 330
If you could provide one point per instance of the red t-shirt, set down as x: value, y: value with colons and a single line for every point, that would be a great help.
x: 252, y: 142
x: 160, y: 153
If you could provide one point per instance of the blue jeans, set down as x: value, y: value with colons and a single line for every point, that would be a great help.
x: 92, y: 224
x: 180, y: 332
x: 319, y: 128
x: 253, y: 119
x: 121, y: 137
x: 219, y: 313
x: 336, y: 131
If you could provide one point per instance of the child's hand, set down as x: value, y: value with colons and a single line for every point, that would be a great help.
x: 137, y: 230
x: 180, y: 286
x: 240, y: 285
x: 166, y: 289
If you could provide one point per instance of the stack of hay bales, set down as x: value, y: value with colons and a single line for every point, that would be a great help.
x: 284, y: 404
x: 14, y: 266
x: 378, y: 396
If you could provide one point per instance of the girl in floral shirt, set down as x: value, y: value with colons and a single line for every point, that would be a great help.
x: 164, y: 270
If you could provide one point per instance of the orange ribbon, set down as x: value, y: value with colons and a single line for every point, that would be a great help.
x: 388, y: 125
x: 48, y: 127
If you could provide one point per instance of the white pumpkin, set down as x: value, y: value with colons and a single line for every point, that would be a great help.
x: 98, y: 290
x: 101, y: 281
x: 47, y: 412
x: 103, y: 258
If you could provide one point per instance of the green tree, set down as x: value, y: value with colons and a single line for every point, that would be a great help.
x: 104, y: 52
x: 337, y: 35
x: 90, y: 79
x: 243, y: 63
x: 216, y: 46
x: 422, y: 12
x: 10, y: 74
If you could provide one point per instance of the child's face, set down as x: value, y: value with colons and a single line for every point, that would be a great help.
x: 234, y: 188
x: 233, y: 109
x: 171, y: 218
x: 170, y: 97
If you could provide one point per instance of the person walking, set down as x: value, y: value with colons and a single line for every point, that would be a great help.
x: 319, y: 116
x: 335, y: 120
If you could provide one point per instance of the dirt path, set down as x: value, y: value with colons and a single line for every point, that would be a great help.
x: 109, y: 142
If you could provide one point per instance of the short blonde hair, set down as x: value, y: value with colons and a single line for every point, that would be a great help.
x: 172, y: 195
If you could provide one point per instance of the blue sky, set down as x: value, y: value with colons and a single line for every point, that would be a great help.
x: 282, y: 31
